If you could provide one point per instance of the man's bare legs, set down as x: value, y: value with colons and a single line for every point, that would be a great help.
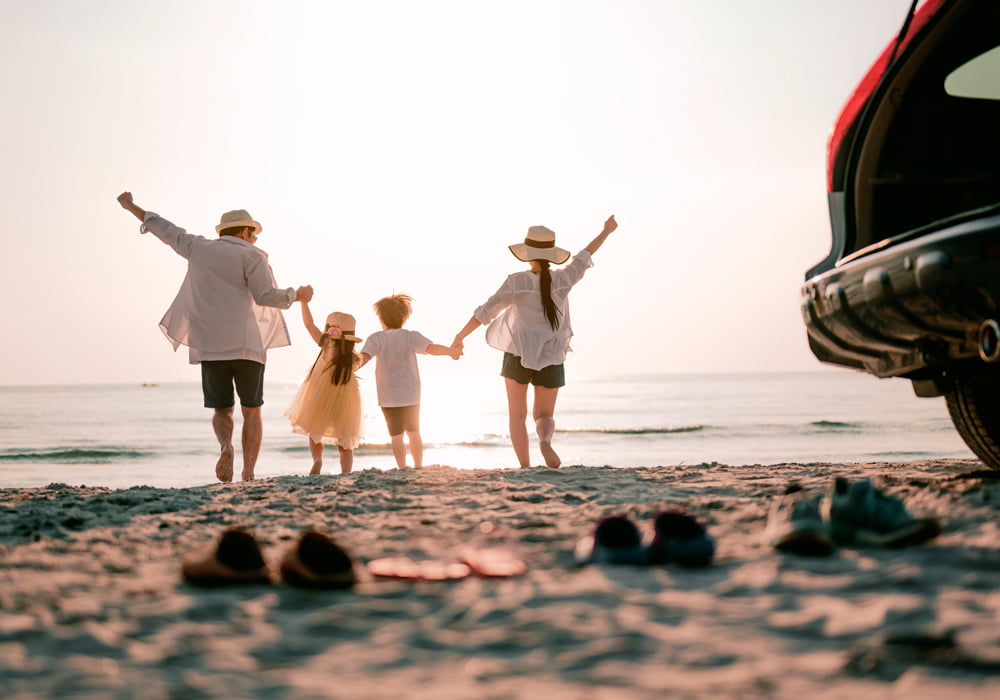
x: 253, y: 431
x: 222, y: 424
x: 346, y: 460
x: 517, y: 411
x: 543, y: 411
x: 316, y: 450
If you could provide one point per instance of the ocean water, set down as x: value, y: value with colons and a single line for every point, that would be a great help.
x: 130, y: 435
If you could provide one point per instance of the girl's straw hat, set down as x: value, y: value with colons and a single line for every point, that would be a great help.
x: 238, y: 218
x: 539, y: 244
x: 344, y: 322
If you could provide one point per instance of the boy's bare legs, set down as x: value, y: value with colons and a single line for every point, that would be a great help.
x: 222, y: 424
x: 253, y: 431
x: 316, y: 450
x: 416, y: 448
x: 545, y: 423
x: 399, y: 450
x: 517, y: 410
x: 346, y: 460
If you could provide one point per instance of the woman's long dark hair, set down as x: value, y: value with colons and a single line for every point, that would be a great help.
x: 545, y: 286
x: 342, y: 363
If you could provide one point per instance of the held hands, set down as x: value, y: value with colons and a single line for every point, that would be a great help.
x: 304, y: 294
x: 455, y: 352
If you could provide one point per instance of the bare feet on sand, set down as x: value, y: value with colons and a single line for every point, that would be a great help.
x: 224, y: 467
x: 551, y: 458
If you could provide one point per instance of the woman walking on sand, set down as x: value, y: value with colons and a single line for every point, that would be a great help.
x: 529, y: 322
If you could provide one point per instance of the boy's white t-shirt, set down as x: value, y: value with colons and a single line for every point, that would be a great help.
x: 397, y: 376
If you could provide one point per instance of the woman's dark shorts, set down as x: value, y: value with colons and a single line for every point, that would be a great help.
x: 551, y: 377
x: 219, y: 376
x: 400, y: 418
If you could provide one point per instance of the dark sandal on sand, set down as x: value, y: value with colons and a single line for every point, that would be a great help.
x: 680, y: 538
x: 236, y: 560
x: 317, y: 561
x: 616, y: 540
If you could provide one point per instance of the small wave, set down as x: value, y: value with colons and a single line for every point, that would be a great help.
x: 636, y: 431
x: 899, y: 454
x: 70, y: 455
x: 386, y: 448
x: 834, y: 424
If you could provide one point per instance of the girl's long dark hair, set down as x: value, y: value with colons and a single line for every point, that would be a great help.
x: 545, y: 286
x: 342, y: 363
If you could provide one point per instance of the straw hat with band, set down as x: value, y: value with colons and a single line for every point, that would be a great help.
x: 238, y: 218
x: 346, y: 324
x: 539, y: 244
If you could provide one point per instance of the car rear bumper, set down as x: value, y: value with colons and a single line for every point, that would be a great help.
x: 915, y: 306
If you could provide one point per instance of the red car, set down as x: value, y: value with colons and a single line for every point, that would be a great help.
x: 911, y: 286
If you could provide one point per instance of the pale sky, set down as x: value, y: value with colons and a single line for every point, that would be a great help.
x: 403, y: 145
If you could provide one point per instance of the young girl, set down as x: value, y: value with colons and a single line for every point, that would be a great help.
x: 327, y: 406
x: 529, y: 321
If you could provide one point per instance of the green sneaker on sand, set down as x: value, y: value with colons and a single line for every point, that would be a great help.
x: 795, y: 524
x: 861, y: 514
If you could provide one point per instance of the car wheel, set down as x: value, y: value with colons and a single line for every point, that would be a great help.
x: 973, y: 396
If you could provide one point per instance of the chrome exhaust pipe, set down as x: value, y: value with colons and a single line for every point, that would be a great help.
x: 989, y: 341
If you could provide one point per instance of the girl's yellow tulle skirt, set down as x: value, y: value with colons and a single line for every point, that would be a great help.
x: 326, y: 412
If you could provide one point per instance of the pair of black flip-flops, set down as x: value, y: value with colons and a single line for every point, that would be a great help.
x: 314, y: 561
x: 677, y: 537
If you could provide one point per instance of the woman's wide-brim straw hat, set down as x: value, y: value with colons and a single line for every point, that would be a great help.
x: 540, y: 244
x: 346, y: 324
x: 238, y: 218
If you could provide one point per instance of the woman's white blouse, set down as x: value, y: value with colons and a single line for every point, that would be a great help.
x: 517, y: 321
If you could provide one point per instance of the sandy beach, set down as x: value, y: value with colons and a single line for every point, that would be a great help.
x: 93, y: 605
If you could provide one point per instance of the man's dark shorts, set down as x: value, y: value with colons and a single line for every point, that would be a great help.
x: 400, y: 418
x: 219, y: 376
x: 551, y: 377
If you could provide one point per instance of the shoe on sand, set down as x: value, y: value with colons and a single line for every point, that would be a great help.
x: 495, y: 561
x: 417, y: 570
x: 317, y: 561
x: 549, y: 455
x: 236, y: 559
x: 795, y: 524
x: 616, y: 540
x: 861, y: 514
x: 680, y: 538
x: 224, y: 467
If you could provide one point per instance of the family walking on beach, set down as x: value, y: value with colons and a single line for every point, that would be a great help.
x: 227, y: 312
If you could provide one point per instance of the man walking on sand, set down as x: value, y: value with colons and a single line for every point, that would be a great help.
x: 226, y: 312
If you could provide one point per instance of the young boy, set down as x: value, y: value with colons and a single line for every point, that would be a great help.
x: 397, y: 377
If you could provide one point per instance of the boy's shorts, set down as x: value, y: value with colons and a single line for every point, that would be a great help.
x: 400, y: 418
x: 551, y: 377
x: 219, y: 376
